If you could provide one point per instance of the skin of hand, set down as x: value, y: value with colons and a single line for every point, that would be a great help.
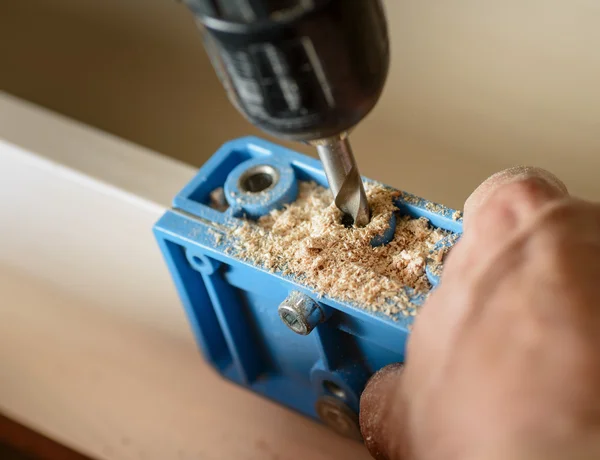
x: 504, y: 359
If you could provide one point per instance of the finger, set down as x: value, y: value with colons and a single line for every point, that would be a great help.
x: 498, y: 208
x: 382, y: 414
x: 511, y: 194
x: 496, y: 211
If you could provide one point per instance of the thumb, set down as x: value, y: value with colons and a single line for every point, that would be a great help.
x: 382, y: 415
x: 499, y: 207
x: 518, y: 191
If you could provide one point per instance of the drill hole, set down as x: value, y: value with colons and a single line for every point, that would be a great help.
x: 347, y: 221
x: 258, y: 182
x: 334, y: 389
x: 258, y: 179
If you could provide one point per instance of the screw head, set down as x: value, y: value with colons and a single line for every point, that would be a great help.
x: 339, y: 417
x: 300, y: 313
x: 293, y: 319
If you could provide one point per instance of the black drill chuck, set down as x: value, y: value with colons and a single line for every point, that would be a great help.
x: 298, y: 69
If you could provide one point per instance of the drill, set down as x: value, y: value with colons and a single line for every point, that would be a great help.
x: 304, y: 70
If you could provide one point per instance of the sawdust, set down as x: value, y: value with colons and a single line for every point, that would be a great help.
x: 434, y: 207
x: 307, y: 241
x: 436, y: 261
x: 217, y: 236
x: 410, y: 198
x: 438, y: 255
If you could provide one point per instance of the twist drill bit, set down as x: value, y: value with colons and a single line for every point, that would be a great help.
x: 344, y: 179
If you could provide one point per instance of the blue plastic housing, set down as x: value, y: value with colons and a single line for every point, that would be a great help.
x: 232, y: 305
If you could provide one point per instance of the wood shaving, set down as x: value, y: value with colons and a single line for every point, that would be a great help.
x: 217, y: 236
x: 437, y: 256
x: 307, y: 241
x: 436, y: 264
x: 434, y: 207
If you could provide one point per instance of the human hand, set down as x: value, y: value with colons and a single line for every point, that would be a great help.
x: 504, y: 359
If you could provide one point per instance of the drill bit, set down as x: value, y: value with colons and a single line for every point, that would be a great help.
x: 344, y: 179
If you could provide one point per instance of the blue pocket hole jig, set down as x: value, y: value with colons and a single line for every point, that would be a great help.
x: 267, y: 331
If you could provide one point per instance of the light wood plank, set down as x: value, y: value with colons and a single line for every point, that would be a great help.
x: 94, y: 348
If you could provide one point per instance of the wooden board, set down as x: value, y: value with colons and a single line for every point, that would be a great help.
x: 95, y: 351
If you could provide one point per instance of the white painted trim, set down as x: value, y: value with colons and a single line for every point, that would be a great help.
x: 94, y: 348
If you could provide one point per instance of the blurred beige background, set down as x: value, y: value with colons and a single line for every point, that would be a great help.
x: 475, y: 86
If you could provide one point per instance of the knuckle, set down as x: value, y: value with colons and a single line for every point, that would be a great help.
x: 528, y: 193
x: 567, y: 238
x: 571, y: 219
x: 499, y: 209
x: 553, y: 234
x: 557, y: 223
x: 516, y: 203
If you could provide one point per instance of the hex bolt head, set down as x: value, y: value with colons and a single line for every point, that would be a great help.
x: 300, y: 313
